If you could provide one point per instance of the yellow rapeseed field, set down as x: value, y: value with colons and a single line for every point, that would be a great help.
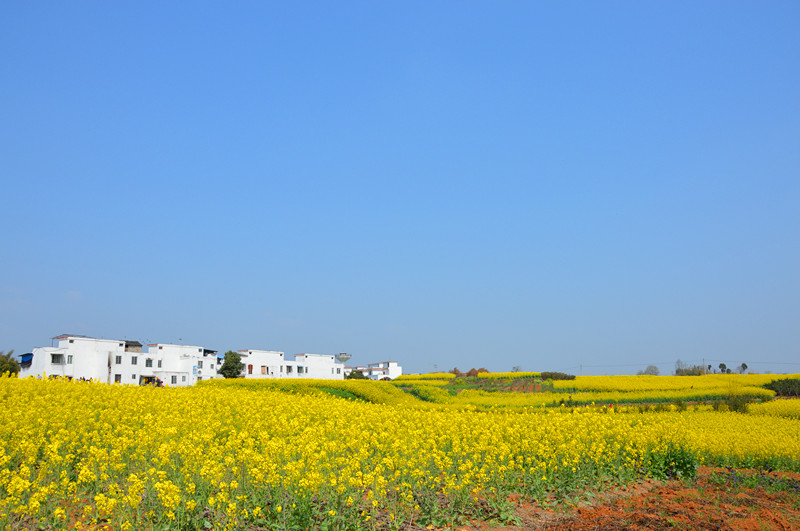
x: 286, y: 455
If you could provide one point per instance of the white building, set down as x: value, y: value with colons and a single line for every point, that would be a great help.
x: 320, y: 366
x: 121, y: 361
x: 378, y: 371
x: 262, y: 363
x: 181, y: 365
x: 272, y: 364
x: 80, y: 357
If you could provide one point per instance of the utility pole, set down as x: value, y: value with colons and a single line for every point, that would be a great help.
x: 704, y: 366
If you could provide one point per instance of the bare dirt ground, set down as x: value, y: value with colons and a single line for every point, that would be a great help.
x: 719, y: 499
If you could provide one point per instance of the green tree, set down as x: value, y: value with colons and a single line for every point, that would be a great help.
x: 232, y: 366
x: 355, y: 375
x: 8, y: 363
x: 722, y: 368
x: 652, y: 370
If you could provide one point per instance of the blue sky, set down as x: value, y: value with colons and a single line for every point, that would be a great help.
x: 581, y: 186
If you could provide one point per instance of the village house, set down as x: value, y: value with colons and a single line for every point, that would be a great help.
x: 126, y: 362
x: 121, y: 361
x: 271, y: 364
x: 378, y: 371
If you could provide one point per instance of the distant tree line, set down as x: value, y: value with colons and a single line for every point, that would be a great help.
x: 472, y: 373
x: 683, y: 369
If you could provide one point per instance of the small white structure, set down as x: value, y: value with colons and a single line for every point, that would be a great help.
x: 272, y: 364
x: 378, y: 371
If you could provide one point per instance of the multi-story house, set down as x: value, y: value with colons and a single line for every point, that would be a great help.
x: 180, y: 365
x: 262, y: 363
x: 125, y: 362
x: 272, y: 364
x: 122, y: 361
x: 81, y: 357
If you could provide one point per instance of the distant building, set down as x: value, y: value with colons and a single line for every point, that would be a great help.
x: 378, y: 371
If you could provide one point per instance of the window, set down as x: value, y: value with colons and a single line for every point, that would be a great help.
x: 57, y: 359
x: 72, y: 341
x: 299, y: 369
x: 249, y: 369
x: 118, y: 360
x: 338, y: 370
x: 183, y: 378
x: 159, y: 364
x: 199, y: 350
x: 263, y: 369
x: 134, y: 360
x: 148, y: 362
x: 281, y: 368
x: 288, y: 369
x: 174, y: 379
x: 117, y: 378
x: 199, y: 378
x: 212, y: 365
x: 199, y: 364
x: 159, y: 348
x: 133, y: 376
x: 331, y: 370
x: 122, y: 344
x: 69, y: 359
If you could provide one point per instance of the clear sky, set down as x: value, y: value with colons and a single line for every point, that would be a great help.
x: 579, y: 186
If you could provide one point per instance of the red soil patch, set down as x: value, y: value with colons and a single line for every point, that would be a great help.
x: 703, y: 504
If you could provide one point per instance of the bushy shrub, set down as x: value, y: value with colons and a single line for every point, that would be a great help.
x: 674, y: 461
x: 785, y: 387
x: 736, y: 403
x: 553, y: 375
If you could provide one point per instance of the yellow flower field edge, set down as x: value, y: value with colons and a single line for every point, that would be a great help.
x: 232, y: 456
x: 410, y: 383
x: 428, y: 376
x: 508, y: 375
x: 641, y: 383
x: 789, y: 408
x: 368, y: 390
x: 517, y: 400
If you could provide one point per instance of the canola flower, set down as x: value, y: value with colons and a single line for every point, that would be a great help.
x: 508, y: 375
x: 789, y: 408
x: 287, y: 454
x: 408, y: 382
x: 638, y: 383
x: 427, y: 376
x: 483, y: 399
